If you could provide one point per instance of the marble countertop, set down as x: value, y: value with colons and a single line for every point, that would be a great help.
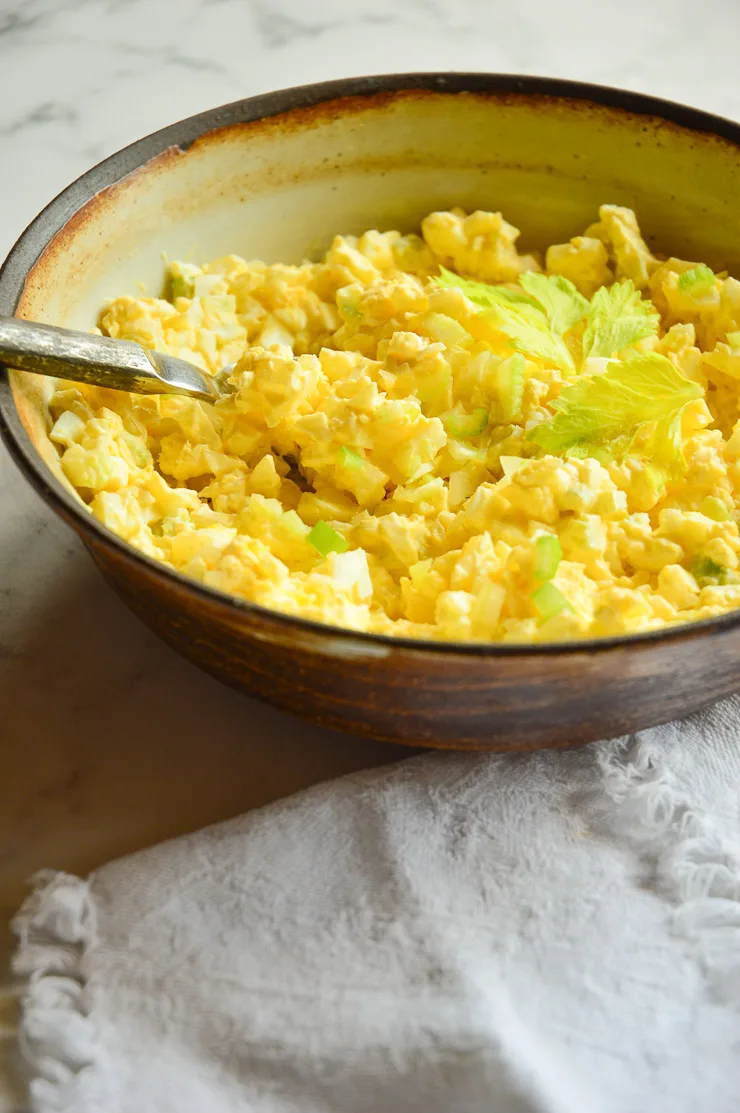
x: 108, y: 741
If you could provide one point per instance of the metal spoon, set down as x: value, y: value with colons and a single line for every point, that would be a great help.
x: 101, y: 361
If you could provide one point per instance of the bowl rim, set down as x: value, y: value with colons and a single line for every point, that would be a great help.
x: 44, y: 227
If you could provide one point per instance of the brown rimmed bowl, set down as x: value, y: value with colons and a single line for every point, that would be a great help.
x: 276, y: 176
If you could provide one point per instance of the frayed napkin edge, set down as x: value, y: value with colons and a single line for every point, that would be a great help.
x: 57, y: 1038
x: 689, y: 860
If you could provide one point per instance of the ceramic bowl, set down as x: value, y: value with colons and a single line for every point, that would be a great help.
x: 276, y: 176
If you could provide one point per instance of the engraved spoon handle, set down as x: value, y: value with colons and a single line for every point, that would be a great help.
x: 100, y: 361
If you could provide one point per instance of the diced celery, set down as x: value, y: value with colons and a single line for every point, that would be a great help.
x: 705, y: 566
x: 347, y: 458
x: 510, y: 381
x: 182, y: 280
x: 180, y: 287
x: 431, y: 387
x: 716, y: 509
x: 347, y: 302
x: 326, y: 540
x: 466, y: 425
x: 445, y: 329
x: 697, y: 279
x: 548, y: 601
x: 292, y: 521
x: 548, y: 553
x: 705, y: 570
x: 733, y: 339
x: 481, y: 371
x: 510, y: 464
x: 467, y: 453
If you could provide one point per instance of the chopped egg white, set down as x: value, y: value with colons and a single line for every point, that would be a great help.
x: 436, y: 436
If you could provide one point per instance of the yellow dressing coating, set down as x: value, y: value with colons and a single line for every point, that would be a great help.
x: 396, y: 412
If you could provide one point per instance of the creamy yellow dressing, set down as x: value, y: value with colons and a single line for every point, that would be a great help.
x: 375, y: 466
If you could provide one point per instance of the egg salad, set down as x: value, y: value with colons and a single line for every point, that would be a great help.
x: 435, y: 436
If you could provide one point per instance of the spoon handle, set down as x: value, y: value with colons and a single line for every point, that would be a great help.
x: 99, y: 360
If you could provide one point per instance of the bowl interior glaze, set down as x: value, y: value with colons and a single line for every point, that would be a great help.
x: 279, y: 188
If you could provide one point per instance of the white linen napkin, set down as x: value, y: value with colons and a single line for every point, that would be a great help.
x: 459, y: 933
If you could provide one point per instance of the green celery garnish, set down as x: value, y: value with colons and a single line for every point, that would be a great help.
x: 522, y: 317
x: 608, y: 410
x: 548, y: 553
x: 466, y: 425
x: 548, y: 601
x: 326, y: 540
x: 481, y: 293
x: 617, y: 318
x: 552, y: 295
x: 537, y: 320
x: 559, y: 299
x: 528, y: 331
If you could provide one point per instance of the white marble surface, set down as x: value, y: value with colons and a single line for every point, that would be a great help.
x: 107, y: 739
